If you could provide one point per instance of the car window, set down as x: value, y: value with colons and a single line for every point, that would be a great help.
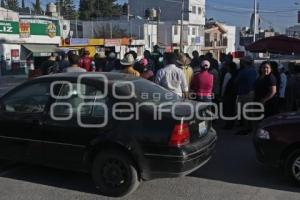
x: 29, y: 99
x: 75, y: 103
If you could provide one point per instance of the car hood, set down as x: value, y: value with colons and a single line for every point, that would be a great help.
x: 284, y: 118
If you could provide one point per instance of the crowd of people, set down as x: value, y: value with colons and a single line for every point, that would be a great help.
x: 201, y: 78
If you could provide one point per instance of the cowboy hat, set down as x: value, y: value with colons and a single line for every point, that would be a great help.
x: 128, y: 60
x: 102, y: 54
x: 183, y: 59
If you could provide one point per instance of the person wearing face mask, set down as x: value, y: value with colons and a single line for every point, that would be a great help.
x: 265, y: 89
x: 202, y: 83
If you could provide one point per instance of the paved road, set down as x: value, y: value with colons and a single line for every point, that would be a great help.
x: 233, y: 173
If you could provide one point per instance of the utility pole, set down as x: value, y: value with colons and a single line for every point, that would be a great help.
x: 181, y: 26
x: 158, y: 11
x: 255, y: 20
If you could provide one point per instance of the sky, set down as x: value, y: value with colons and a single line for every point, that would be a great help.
x: 276, y: 13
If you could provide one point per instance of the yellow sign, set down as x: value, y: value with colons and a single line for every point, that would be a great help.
x: 51, y: 30
x: 97, y: 42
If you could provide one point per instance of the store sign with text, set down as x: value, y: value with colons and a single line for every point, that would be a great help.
x: 26, y: 28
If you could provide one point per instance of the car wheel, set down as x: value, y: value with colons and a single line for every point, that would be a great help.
x: 114, y: 173
x: 292, y: 168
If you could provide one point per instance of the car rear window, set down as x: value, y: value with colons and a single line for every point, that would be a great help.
x: 147, y: 91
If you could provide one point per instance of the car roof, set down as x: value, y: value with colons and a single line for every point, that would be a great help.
x: 112, y: 77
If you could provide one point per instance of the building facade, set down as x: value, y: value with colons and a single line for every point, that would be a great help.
x: 27, y: 37
x: 293, y: 31
x: 216, y: 41
x: 169, y: 30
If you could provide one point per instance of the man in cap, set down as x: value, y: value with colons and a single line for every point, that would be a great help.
x: 171, y: 77
x: 127, y: 64
x: 202, y: 83
x: 85, y: 61
x: 245, y: 80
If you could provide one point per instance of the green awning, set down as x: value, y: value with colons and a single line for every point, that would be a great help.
x: 41, y: 49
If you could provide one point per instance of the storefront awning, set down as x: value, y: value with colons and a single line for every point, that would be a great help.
x: 40, y: 49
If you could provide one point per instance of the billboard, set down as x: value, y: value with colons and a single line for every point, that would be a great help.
x: 28, y: 27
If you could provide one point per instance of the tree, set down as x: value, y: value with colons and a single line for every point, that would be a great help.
x: 13, y: 5
x: 104, y: 31
x: 37, y: 7
x: 99, y: 8
x: 67, y: 8
x: 23, y: 4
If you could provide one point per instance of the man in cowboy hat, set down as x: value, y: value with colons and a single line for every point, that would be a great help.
x: 171, y: 77
x: 127, y: 64
x: 184, y: 63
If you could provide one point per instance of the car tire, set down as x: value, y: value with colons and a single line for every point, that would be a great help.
x: 114, y: 173
x: 292, y: 166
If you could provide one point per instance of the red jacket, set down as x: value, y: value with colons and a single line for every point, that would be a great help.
x: 85, y: 62
x: 202, y: 84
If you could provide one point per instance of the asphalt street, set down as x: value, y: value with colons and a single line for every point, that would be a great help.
x: 232, y: 174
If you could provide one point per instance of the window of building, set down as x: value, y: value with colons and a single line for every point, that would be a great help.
x: 199, y: 11
x: 175, y: 30
x: 200, y: 30
x: 216, y: 36
x: 193, y: 31
x: 194, y: 9
x: 193, y: 40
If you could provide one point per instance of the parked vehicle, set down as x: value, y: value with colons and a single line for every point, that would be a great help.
x: 277, y: 143
x: 48, y: 121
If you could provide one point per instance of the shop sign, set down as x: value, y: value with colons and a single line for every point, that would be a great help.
x: 42, y: 28
x: 112, y: 42
x: 9, y: 27
x: 79, y: 41
x: 199, y: 40
x: 24, y: 29
x: 15, y: 54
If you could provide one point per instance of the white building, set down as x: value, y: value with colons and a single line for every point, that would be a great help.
x: 169, y: 30
x: 233, y: 39
x: 293, y: 31
x: 27, y: 37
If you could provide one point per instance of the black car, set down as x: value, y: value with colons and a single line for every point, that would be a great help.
x: 104, y: 124
x: 277, y: 143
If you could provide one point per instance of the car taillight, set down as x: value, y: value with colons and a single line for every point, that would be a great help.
x: 180, y: 135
